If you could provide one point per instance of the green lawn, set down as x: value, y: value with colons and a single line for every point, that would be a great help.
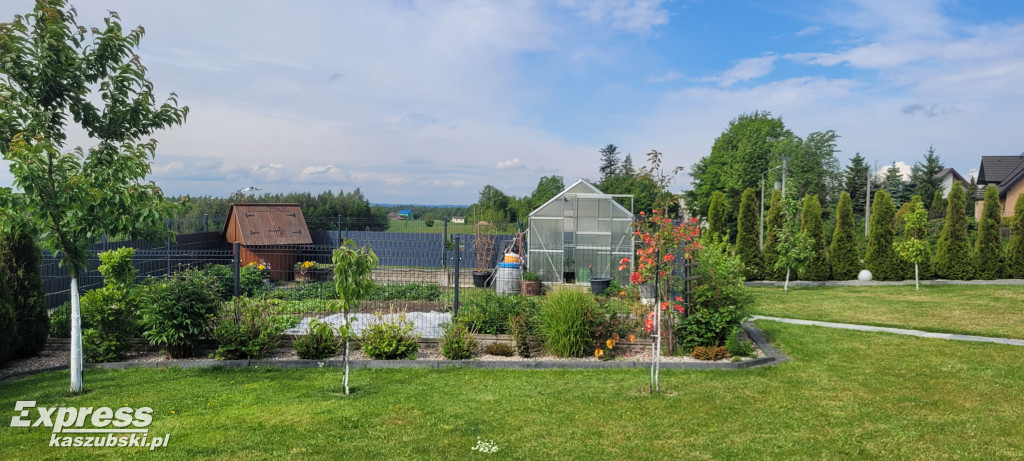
x: 416, y: 226
x: 847, y: 394
x: 987, y: 310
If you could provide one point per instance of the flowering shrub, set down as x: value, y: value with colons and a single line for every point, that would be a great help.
x: 661, y: 242
x: 251, y: 278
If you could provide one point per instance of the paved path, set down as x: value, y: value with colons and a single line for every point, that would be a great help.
x: 875, y: 283
x: 897, y: 331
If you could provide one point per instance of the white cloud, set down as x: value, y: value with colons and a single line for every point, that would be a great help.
x: 873, y: 56
x: 666, y: 77
x: 637, y: 16
x: 511, y: 164
x: 270, y: 172
x: 746, y: 69
x: 809, y: 30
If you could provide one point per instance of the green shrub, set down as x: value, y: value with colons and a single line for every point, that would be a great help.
x: 810, y: 222
x: 718, y: 216
x: 952, y: 253
x: 486, y: 312
x: 225, y: 280
x: 938, y: 206
x: 747, y: 248
x: 773, y: 222
x: 736, y: 347
x: 109, y: 313
x: 245, y: 329
x: 708, y: 326
x: 719, y: 280
x: 320, y: 342
x: 428, y: 222
x: 1015, y: 251
x: 457, y: 342
x: 177, y: 311
x: 8, y: 327
x: 500, y: 349
x: 609, y: 320
x: 251, y: 280
x: 60, y: 321
x: 844, y: 256
x: 522, y: 326
x: 710, y: 353
x: 881, y: 258
x: 531, y: 276
x: 988, y: 249
x: 19, y: 263
x: 564, y: 322
x: 390, y: 340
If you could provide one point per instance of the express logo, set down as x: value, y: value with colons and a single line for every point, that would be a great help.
x: 124, y: 427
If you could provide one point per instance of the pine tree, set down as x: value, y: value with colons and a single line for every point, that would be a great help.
x: 923, y: 176
x: 938, y: 208
x: 609, y: 161
x: 988, y: 249
x: 773, y: 222
x: 1015, y: 252
x: 844, y: 255
x: 19, y: 264
x: 627, y: 167
x: 746, y: 238
x: 810, y: 222
x: 717, y: 216
x: 953, y: 253
x: 881, y: 258
x: 893, y: 183
x: 855, y: 182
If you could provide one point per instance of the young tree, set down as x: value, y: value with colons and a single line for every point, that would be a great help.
x: 881, y: 259
x: 746, y: 237
x: 609, y: 161
x: 810, y: 223
x: 773, y: 222
x: 795, y: 248
x: 19, y: 264
x: 353, y: 282
x: 952, y: 253
x: 1015, y: 251
x: 938, y: 206
x: 717, y: 217
x: 855, y: 182
x: 844, y: 256
x: 923, y: 179
x: 988, y: 249
x: 914, y: 245
x: 50, y: 71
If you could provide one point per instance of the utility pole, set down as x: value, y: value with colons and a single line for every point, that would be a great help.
x: 867, y: 206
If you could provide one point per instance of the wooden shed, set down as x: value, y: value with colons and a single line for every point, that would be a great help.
x: 269, y: 233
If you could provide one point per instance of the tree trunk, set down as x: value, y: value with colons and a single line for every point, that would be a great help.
x: 76, y: 335
x: 917, y: 282
x: 345, y: 378
x: 785, y: 286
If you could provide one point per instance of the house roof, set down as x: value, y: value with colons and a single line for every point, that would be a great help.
x: 1001, y: 170
x: 266, y: 224
x: 956, y: 176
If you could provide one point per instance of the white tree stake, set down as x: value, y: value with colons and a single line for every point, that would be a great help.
x: 76, y: 336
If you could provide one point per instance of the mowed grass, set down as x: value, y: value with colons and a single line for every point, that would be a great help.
x: 846, y: 395
x: 986, y: 310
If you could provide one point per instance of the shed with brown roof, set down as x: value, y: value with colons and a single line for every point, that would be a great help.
x: 272, y: 234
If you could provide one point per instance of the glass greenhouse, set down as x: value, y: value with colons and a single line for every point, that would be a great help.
x: 580, y: 233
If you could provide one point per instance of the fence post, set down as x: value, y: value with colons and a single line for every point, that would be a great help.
x: 339, y: 230
x: 235, y: 263
x: 457, y: 277
x: 105, y: 241
x: 168, y: 247
x: 444, y: 245
x: 206, y: 222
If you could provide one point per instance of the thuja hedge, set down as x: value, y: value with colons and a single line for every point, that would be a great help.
x: 1015, y: 252
x: 988, y: 250
x: 952, y: 253
x: 747, y: 249
x: 24, y: 323
x: 844, y: 256
x: 810, y: 222
x: 881, y: 258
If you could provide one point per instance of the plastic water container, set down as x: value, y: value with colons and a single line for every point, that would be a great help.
x: 506, y: 279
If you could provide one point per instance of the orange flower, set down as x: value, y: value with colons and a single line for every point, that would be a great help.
x: 610, y: 343
x: 615, y: 336
x: 598, y: 352
x: 632, y: 338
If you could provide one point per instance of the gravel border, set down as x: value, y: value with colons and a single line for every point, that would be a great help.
x: 769, y: 355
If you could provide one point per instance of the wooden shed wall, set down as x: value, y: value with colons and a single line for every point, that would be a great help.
x: 282, y: 261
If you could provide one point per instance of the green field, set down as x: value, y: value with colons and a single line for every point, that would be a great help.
x: 986, y: 310
x: 846, y: 395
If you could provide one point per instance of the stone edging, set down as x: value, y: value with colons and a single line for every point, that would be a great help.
x: 772, y: 356
x: 875, y: 283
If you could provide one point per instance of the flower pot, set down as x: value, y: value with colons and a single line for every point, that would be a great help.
x: 481, y: 279
x: 599, y: 284
x: 304, y: 276
x: 569, y: 277
x: 531, y: 287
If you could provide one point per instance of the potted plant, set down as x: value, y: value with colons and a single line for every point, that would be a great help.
x: 569, y: 271
x: 531, y: 284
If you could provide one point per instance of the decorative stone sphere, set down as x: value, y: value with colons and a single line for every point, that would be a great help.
x: 864, y: 276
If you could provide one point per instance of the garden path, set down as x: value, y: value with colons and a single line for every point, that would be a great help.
x: 897, y: 331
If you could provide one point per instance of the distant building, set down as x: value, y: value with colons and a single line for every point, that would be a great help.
x: 949, y: 176
x: 1005, y: 172
x: 405, y: 214
x: 458, y: 220
x: 394, y: 215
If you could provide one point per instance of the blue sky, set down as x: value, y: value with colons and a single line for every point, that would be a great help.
x: 428, y: 101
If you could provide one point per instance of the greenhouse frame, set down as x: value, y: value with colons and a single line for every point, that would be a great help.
x: 581, y: 231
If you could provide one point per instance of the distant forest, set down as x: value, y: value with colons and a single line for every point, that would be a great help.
x: 321, y: 210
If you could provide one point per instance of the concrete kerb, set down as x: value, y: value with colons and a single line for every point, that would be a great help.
x: 772, y: 356
x: 875, y: 283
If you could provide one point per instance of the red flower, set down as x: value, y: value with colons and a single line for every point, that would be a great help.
x: 664, y: 305
x: 679, y: 308
x: 649, y: 322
